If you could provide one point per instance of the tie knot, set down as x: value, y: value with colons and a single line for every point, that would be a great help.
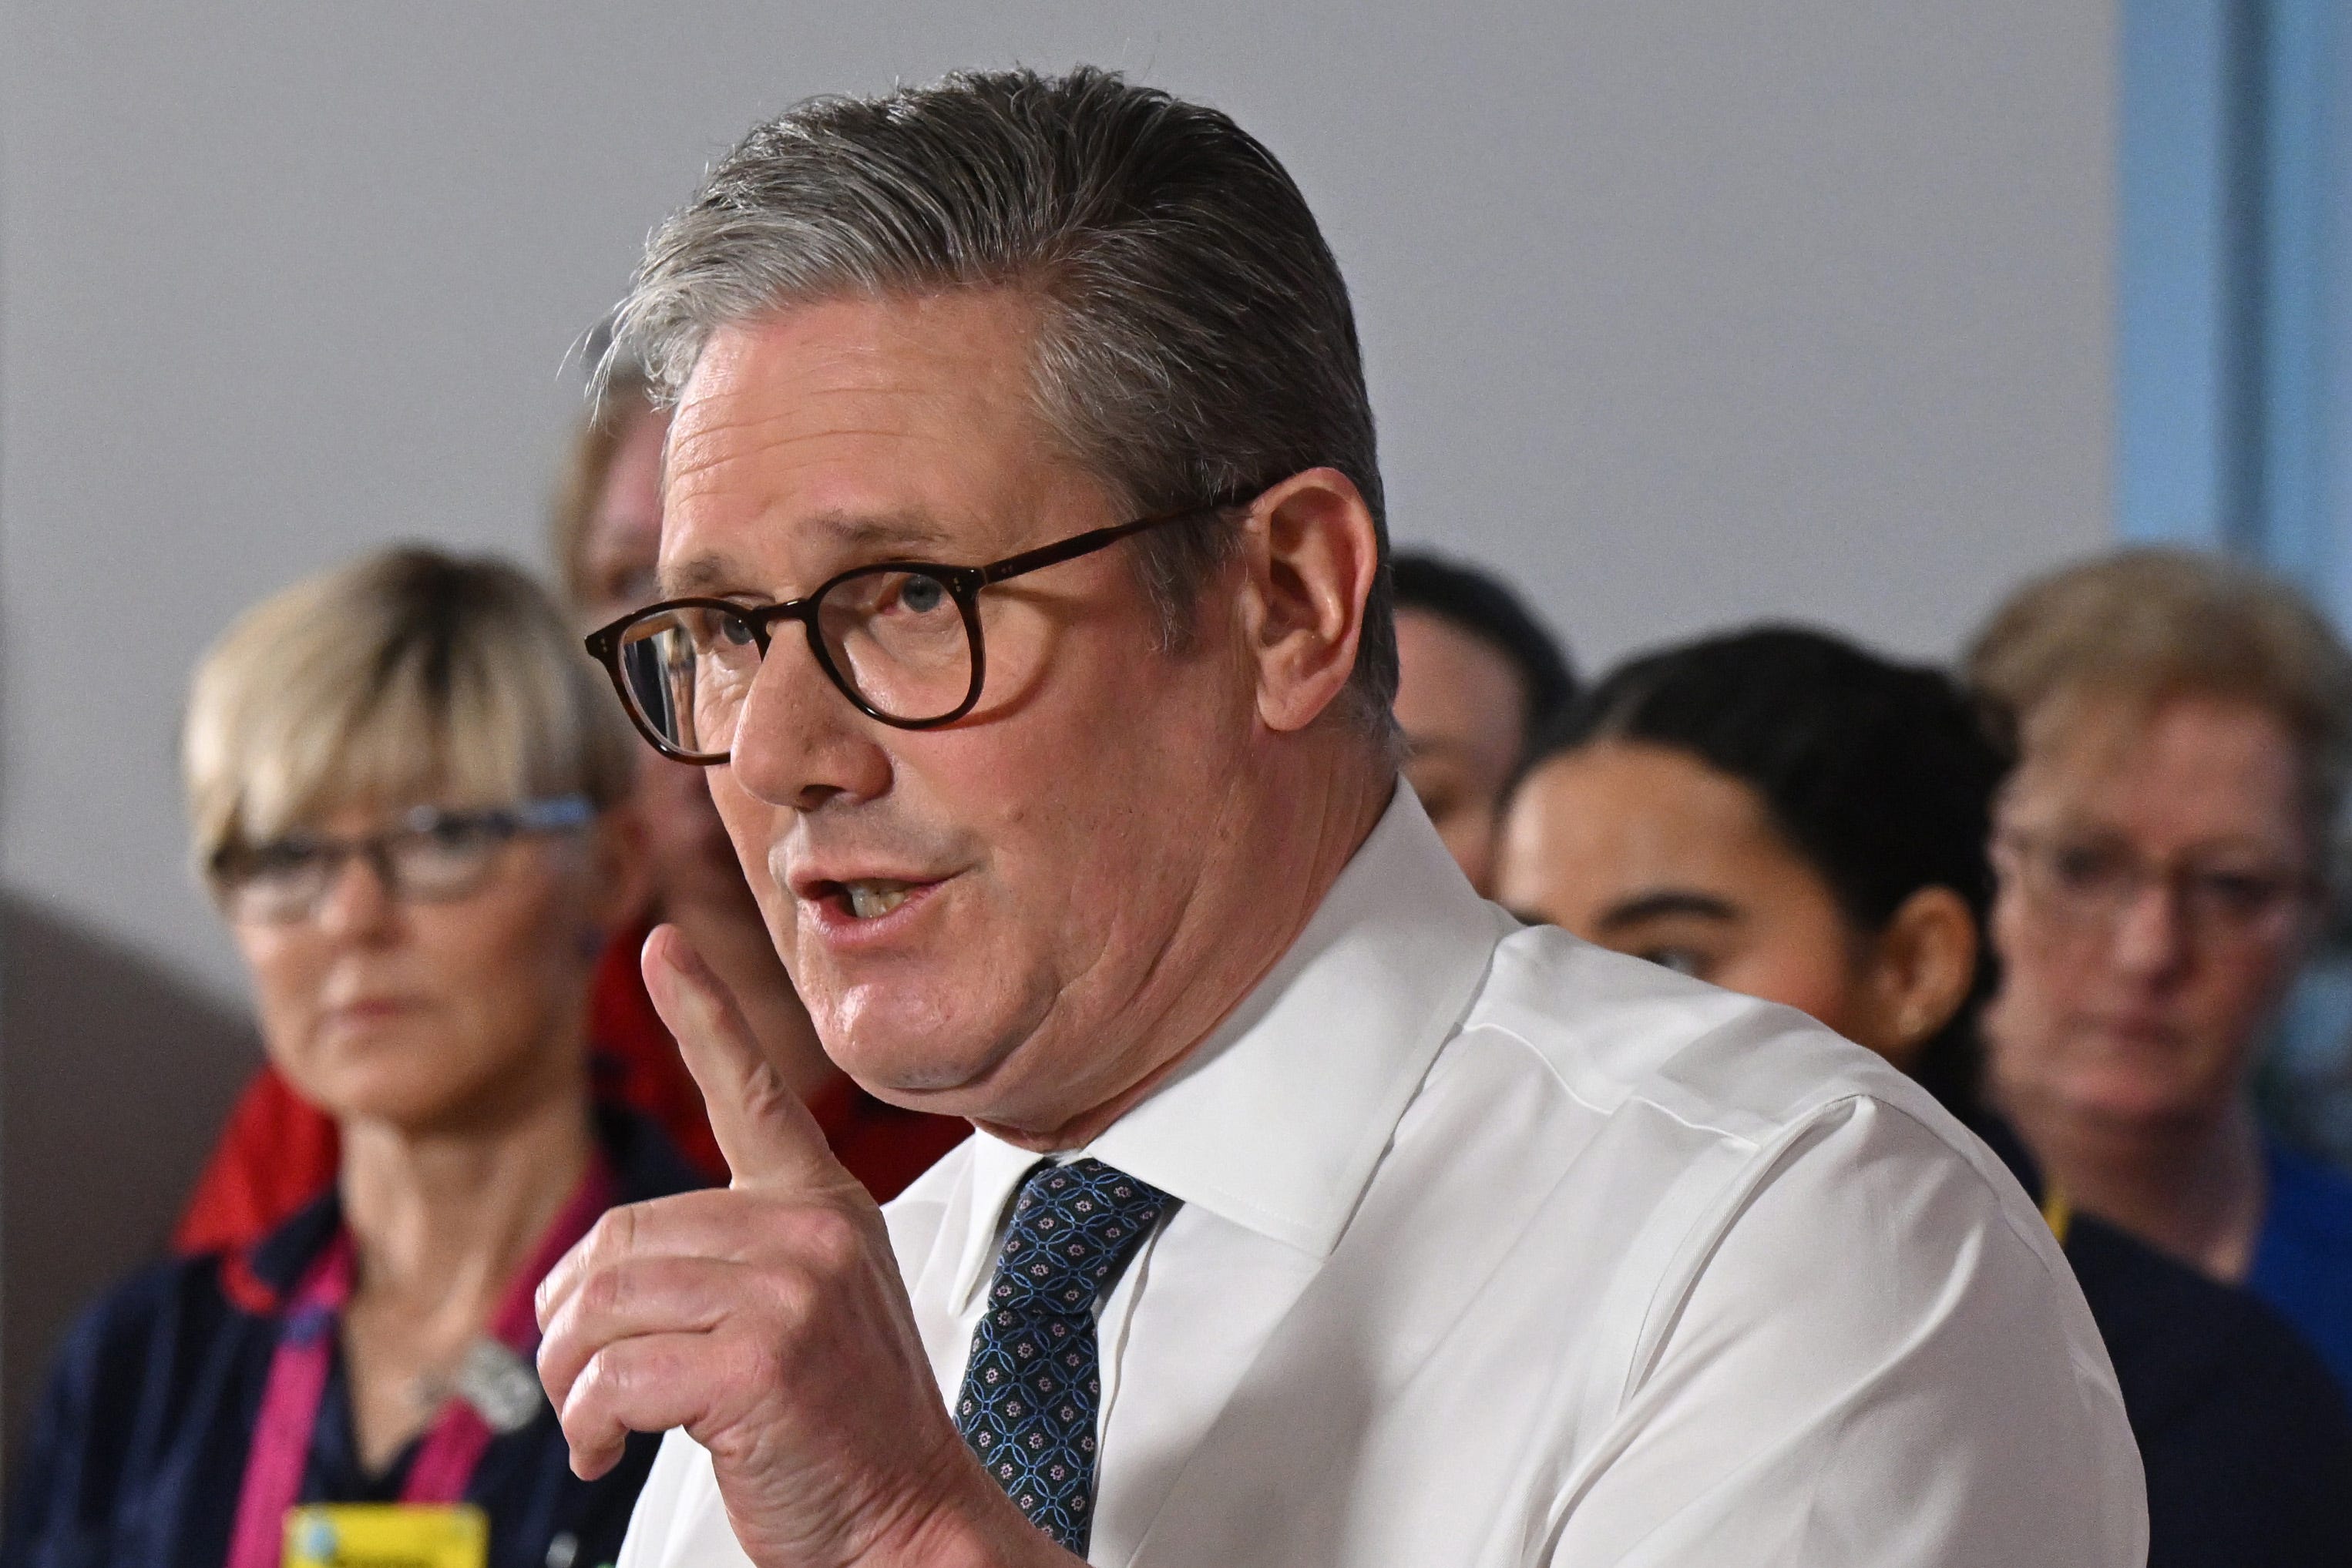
x: 1074, y: 1228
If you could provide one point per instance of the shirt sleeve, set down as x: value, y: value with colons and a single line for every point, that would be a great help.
x: 1872, y: 1353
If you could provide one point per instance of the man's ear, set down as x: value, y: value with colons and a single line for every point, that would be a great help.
x: 1922, y: 967
x: 1309, y: 552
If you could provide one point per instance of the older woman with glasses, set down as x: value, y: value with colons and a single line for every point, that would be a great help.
x: 403, y: 779
x: 2185, y: 738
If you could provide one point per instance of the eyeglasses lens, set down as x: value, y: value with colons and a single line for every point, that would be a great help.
x: 444, y: 857
x: 280, y: 881
x: 2094, y: 884
x: 686, y: 671
x: 2086, y: 881
x: 899, y: 640
x: 435, y: 857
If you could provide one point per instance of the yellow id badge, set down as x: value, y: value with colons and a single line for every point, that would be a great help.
x: 386, y: 1535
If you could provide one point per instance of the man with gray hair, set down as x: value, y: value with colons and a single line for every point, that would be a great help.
x: 1028, y: 604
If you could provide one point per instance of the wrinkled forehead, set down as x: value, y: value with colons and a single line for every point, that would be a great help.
x: 860, y: 429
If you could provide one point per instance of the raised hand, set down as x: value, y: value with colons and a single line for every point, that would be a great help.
x: 769, y: 1321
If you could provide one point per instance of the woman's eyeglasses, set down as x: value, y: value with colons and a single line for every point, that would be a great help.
x: 428, y: 856
x: 2089, y: 881
x: 901, y: 639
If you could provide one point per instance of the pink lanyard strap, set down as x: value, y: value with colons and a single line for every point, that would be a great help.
x: 298, y: 1369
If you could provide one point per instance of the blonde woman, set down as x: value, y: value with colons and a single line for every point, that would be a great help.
x: 402, y: 777
x: 278, y: 1152
x: 2184, y: 730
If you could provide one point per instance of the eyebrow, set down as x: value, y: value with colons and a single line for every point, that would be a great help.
x: 705, y: 574
x: 2103, y: 835
x: 885, y: 537
x: 1659, y: 906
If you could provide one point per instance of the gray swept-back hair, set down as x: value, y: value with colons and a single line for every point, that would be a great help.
x: 1196, y: 342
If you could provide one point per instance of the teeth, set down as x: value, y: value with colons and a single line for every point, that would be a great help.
x: 872, y: 900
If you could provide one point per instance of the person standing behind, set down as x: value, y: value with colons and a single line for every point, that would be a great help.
x: 278, y: 1152
x: 1477, y: 676
x: 1783, y: 813
x: 409, y: 804
x: 2184, y: 729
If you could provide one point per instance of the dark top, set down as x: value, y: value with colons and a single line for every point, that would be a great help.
x: 138, y: 1454
x: 2302, y: 1258
x: 2245, y: 1437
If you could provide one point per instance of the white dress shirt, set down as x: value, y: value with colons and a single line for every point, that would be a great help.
x: 1496, y: 1249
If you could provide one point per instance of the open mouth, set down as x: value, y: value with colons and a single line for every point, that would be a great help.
x: 869, y: 898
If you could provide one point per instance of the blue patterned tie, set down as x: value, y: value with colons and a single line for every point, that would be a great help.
x: 1034, y: 1382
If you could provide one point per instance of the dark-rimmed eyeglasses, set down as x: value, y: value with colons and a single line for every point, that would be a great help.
x: 900, y: 639
x: 428, y: 856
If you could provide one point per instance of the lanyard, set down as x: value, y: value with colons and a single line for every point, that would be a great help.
x: 298, y: 1369
x: 2058, y: 1213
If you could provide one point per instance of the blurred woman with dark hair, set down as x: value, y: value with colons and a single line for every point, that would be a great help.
x: 1783, y: 814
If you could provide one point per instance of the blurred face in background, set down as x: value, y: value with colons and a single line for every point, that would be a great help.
x: 1462, y: 706
x: 441, y: 1015
x: 2158, y: 877
x: 693, y: 862
x: 1648, y: 851
x: 617, y: 552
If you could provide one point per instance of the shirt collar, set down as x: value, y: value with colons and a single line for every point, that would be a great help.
x: 1277, y: 1122
x: 258, y: 1277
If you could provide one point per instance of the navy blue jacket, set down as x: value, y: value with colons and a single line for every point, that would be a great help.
x: 2245, y: 1438
x: 139, y: 1451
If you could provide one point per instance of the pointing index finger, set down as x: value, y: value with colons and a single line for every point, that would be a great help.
x: 767, y: 1135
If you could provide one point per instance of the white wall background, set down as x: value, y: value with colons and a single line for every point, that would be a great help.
x: 1684, y: 311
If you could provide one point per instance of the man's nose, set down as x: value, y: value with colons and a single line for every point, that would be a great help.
x: 2152, y: 938
x: 799, y: 742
